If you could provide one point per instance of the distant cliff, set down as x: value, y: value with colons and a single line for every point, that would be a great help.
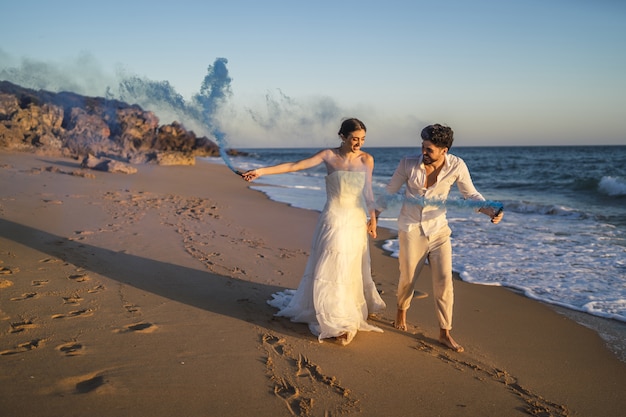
x: 76, y: 126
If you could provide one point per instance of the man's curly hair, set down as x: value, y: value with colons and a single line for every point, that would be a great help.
x: 440, y: 136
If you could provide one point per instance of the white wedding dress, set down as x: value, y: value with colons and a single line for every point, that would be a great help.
x: 337, y: 292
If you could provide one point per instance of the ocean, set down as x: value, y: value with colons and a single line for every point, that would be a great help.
x: 563, y: 237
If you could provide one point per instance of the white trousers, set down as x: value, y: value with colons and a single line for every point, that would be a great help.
x: 415, y: 248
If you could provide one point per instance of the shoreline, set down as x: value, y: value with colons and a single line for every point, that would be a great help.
x: 146, y: 294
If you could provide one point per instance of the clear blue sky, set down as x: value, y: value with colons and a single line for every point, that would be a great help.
x: 498, y: 72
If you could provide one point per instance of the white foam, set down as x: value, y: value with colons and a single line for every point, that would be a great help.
x: 612, y: 186
x: 577, y: 269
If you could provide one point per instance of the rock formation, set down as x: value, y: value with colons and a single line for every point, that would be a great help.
x: 82, y: 127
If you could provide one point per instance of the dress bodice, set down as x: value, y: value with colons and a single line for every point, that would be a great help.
x: 345, y: 188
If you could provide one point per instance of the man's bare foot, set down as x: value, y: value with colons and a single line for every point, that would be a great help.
x: 400, y: 322
x: 446, y: 339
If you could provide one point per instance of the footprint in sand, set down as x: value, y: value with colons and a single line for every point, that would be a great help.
x: 81, y: 384
x: 139, y: 328
x: 96, y: 289
x: 79, y: 277
x: 5, y: 283
x: 535, y: 404
x: 24, y: 296
x: 49, y: 260
x: 8, y: 271
x: 131, y: 308
x: 301, y: 384
x: 21, y: 326
x: 276, y: 344
x: 71, y: 349
x: 72, y: 299
x: 90, y: 384
x: 80, y: 235
x: 39, y: 282
x: 24, y: 347
x: 57, y: 202
x: 76, y: 313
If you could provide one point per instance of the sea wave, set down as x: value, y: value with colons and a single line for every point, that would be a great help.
x: 612, y: 186
x: 305, y: 187
x: 544, y: 209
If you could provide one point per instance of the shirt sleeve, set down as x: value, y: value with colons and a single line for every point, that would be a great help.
x: 396, y: 182
x: 465, y: 184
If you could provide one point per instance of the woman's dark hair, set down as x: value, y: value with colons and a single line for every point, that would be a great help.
x: 350, y: 125
x: 440, y: 136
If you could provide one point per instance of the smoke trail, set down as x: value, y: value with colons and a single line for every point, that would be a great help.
x: 279, y: 116
x: 398, y: 199
x: 215, y: 89
x: 220, y: 137
x: 133, y: 89
x: 214, y: 92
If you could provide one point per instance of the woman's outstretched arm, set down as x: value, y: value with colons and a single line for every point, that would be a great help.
x: 285, y: 167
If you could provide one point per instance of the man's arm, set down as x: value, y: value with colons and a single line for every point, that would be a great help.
x: 398, y: 179
x: 468, y: 191
x: 465, y: 184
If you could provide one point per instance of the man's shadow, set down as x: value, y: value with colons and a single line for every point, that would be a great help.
x: 209, y: 291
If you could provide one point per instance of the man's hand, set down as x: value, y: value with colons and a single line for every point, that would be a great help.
x: 495, y: 214
x: 498, y: 216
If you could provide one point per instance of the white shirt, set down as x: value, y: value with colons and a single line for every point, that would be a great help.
x: 411, y: 172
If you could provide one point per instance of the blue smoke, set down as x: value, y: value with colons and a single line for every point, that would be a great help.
x: 214, y: 92
x: 398, y: 199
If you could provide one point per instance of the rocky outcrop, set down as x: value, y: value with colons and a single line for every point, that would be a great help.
x: 107, y: 165
x: 72, y: 125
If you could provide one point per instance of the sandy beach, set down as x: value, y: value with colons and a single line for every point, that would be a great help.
x: 145, y: 295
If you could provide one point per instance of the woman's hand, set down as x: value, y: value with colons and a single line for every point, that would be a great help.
x: 250, y: 175
x: 371, y: 228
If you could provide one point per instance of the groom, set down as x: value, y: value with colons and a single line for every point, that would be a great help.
x: 423, y: 232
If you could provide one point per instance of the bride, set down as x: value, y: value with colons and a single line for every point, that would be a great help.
x: 336, y: 292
